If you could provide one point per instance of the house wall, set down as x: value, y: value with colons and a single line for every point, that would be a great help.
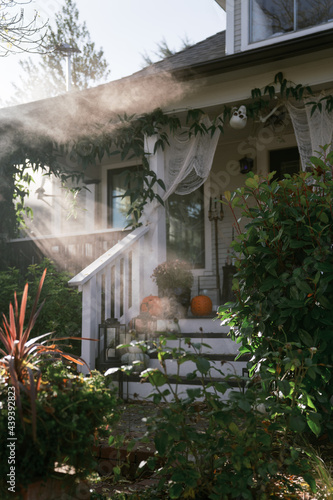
x: 238, y: 25
x: 225, y: 176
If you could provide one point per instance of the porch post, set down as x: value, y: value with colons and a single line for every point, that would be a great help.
x: 154, y: 215
x: 89, y: 322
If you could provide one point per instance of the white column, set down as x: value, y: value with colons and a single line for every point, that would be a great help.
x: 154, y: 215
x: 89, y: 323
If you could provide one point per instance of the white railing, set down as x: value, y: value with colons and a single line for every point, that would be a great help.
x: 112, y: 287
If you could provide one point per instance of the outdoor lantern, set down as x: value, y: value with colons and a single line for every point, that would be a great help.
x: 246, y: 165
x: 110, y: 334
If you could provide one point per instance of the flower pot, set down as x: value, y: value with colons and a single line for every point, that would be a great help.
x: 179, y: 299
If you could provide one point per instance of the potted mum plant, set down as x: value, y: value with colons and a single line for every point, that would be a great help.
x: 174, y: 280
x: 50, y: 415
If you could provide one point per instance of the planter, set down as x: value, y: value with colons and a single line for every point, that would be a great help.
x: 179, y: 299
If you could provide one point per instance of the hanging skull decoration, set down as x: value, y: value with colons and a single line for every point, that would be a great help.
x: 238, y: 118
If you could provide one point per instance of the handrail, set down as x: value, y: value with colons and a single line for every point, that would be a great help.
x: 112, y: 287
x: 107, y: 258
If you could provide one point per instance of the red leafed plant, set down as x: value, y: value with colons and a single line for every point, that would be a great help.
x: 22, y: 355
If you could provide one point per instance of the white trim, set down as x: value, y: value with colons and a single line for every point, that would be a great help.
x: 230, y: 31
x: 245, y: 22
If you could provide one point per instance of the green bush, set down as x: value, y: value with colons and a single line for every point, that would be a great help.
x: 283, y: 312
x: 62, y: 310
x: 72, y: 412
x: 217, y: 442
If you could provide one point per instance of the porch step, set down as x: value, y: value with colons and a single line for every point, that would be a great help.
x: 220, y: 350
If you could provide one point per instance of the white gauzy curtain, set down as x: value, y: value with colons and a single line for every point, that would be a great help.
x: 189, y: 160
x: 311, y: 131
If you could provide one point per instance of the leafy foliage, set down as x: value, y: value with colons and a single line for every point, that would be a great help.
x: 61, y: 313
x: 284, y: 288
x: 72, y: 412
x: 49, y: 399
x: 217, y: 442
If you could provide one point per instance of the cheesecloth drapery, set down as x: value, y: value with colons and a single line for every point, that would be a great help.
x: 189, y: 160
x: 311, y: 131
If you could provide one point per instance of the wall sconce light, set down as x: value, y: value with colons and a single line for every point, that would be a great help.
x: 246, y: 165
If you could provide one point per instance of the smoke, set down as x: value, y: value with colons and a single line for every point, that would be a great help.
x: 80, y: 113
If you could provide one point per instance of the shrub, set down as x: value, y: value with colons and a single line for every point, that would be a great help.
x: 284, y: 287
x: 61, y: 313
x: 210, y: 447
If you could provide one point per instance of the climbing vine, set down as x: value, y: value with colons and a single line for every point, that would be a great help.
x: 125, y: 138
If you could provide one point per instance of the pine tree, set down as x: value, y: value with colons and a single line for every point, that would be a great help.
x: 163, y: 51
x: 47, y: 78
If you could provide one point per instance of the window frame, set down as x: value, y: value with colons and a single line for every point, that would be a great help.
x: 245, y: 29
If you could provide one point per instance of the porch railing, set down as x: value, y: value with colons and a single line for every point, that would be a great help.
x: 70, y: 252
x: 111, y: 287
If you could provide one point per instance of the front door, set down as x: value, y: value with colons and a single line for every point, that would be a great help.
x: 185, y: 228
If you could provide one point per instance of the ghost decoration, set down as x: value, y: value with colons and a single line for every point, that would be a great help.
x: 238, y: 118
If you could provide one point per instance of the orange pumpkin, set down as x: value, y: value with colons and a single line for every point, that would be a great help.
x: 201, y: 305
x: 152, y: 305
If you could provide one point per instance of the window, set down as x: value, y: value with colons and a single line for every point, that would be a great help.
x: 270, y: 18
x: 284, y: 161
x: 124, y: 186
x: 185, y: 228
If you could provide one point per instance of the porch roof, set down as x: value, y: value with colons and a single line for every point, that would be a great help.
x: 158, y: 85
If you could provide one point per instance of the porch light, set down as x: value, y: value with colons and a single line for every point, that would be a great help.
x: 245, y: 165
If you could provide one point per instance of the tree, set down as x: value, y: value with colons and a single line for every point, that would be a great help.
x: 163, y: 51
x: 47, y: 78
x: 18, y: 34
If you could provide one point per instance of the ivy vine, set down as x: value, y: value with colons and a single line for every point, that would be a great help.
x: 125, y: 138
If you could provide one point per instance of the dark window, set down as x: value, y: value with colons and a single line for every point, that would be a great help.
x: 124, y: 187
x: 284, y: 161
x: 185, y: 228
x: 270, y: 18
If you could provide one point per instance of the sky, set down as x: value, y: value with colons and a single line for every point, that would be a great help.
x: 126, y: 29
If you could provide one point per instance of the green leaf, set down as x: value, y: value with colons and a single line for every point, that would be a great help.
x: 297, y: 423
x: 306, y: 338
x: 203, y: 365
x: 244, y: 405
x: 313, y: 420
x: 311, y: 481
x: 194, y: 393
x: 175, y: 491
x: 161, y: 441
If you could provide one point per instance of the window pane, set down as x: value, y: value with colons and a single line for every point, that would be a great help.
x: 185, y: 228
x: 313, y: 12
x: 119, y: 182
x: 271, y: 18
x: 284, y: 161
x: 120, y: 207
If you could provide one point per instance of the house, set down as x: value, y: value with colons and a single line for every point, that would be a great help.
x: 261, y: 41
